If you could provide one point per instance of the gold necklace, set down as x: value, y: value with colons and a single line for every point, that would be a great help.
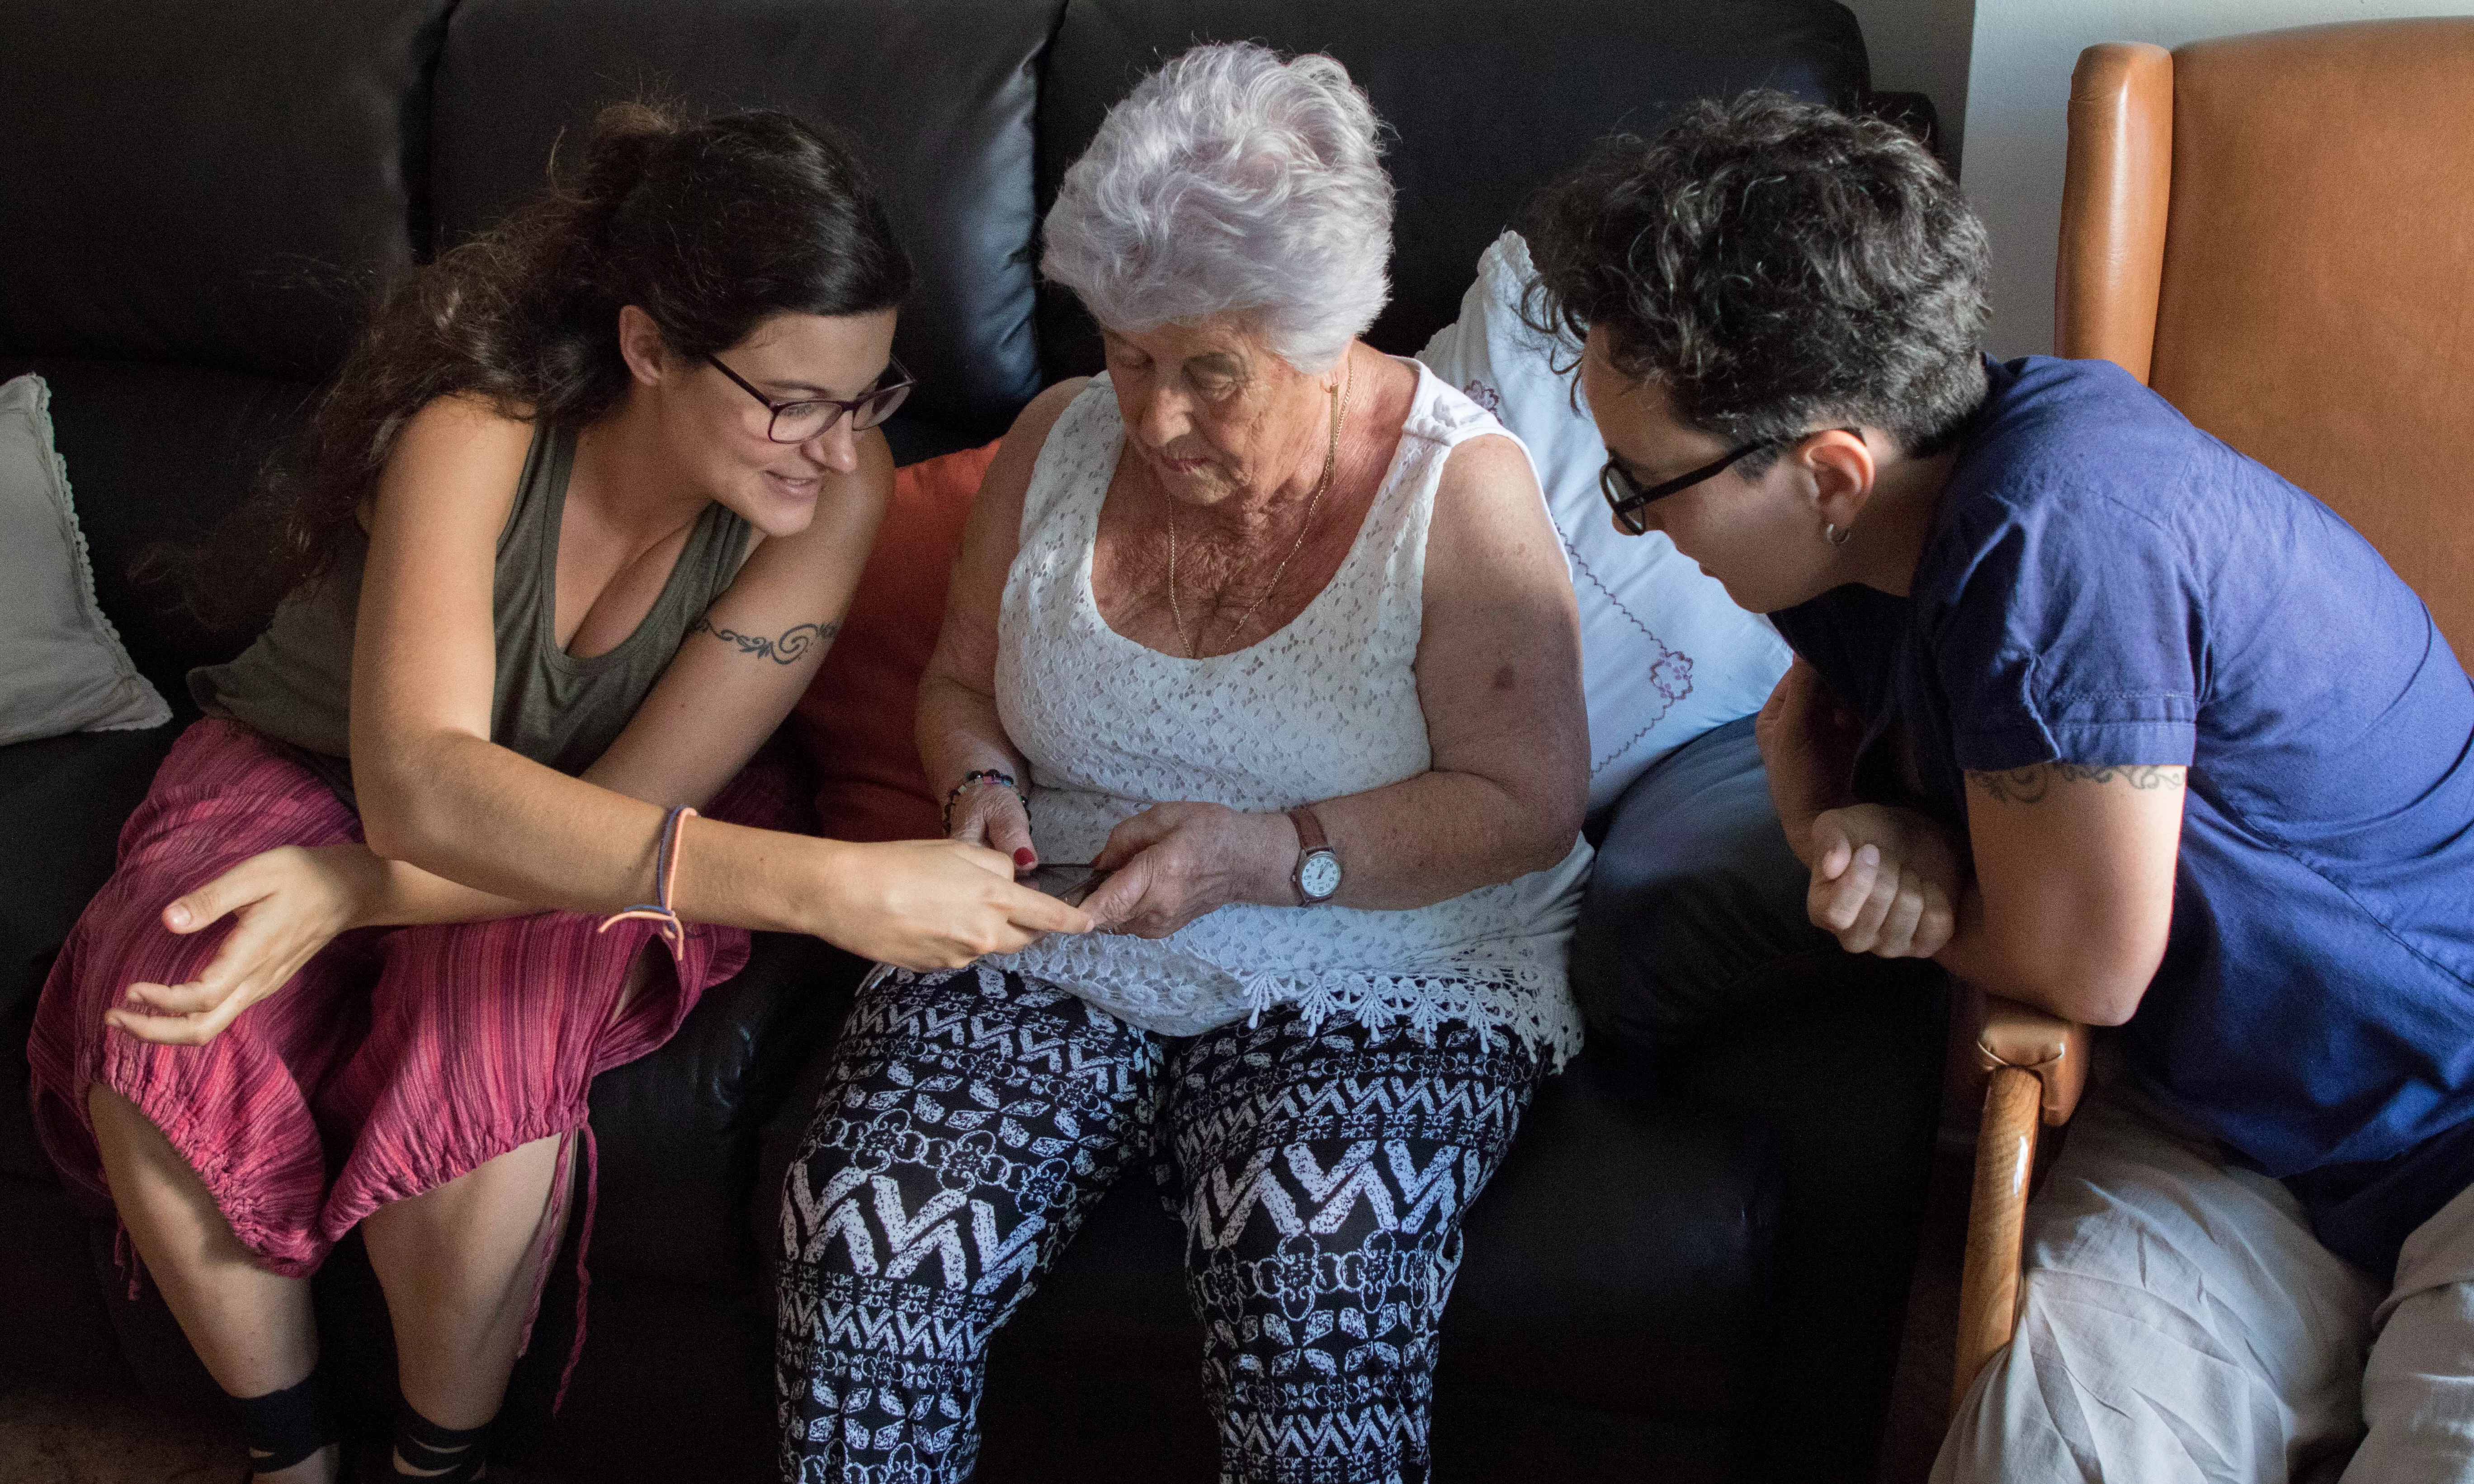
x: 1330, y: 461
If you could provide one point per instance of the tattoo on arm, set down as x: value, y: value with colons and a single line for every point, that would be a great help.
x: 2031, y: 786
x: 790, y: 649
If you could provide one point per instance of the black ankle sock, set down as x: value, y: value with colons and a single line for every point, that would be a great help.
x: 285, y: 1427
x: 422, y: 1445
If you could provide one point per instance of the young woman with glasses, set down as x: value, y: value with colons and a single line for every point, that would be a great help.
x: 563, y: 543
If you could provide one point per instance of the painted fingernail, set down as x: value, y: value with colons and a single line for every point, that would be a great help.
x: 1024, y: 858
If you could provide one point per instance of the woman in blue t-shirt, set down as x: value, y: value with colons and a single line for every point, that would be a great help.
x: 2104, y: 716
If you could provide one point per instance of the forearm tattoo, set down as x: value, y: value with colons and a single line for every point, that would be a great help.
x: 790, y: 649
x: 2031, y: 786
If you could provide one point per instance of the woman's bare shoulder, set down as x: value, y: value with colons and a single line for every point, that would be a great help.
x: 463, y: 429
x: 1008, y: 477
x: 462, y: 452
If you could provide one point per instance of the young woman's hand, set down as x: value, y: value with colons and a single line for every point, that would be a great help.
x: 1807, y: 748
x: 1175, y: 862
x: 1885, y: 881
x: 928, y: 904
x: 993, y: 815
x: 286, y: 904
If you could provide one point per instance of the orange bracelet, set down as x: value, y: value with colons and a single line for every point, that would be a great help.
x: 665, y: 873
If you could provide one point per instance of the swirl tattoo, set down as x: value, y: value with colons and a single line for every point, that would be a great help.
x: 2034, y: 785
x: 790, y: 649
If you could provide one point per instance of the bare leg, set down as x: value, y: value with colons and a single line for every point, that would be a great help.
x: 255, y: 1330
x: 460, y: 1265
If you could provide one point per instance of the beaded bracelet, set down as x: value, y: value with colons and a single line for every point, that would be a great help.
x: 980, y: 775
x: 665, y: 875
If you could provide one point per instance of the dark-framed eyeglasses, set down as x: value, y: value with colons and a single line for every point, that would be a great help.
x: 795, y: 422
x: 1627, y: 499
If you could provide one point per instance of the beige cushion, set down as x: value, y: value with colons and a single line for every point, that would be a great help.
x: 62, y: 666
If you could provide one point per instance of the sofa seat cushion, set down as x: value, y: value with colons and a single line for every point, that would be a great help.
x: 1695, y: 904
x: 1693, y: 952
x: 65, y: 798
x: 678, y: 1131
x: 1615, y: 1267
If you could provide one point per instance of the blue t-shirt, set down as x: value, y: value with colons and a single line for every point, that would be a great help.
x: 2103, y: 583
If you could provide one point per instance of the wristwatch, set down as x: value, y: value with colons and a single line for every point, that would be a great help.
x: 1317, y: 876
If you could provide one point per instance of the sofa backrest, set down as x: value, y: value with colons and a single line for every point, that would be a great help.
x: 1487, y: 102
x: 936, y: 97
x: 210, y: 185
x: 196, y: 202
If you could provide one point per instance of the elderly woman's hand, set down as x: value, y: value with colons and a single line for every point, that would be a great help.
x: 1885, y: 881
x: 1175, y: 862
x: 988, y: 813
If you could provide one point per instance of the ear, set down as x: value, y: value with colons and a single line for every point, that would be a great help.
x: 1840, y: 464
x: 640, y: 341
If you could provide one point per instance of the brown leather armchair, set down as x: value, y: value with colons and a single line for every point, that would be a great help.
x: 2276, y: 232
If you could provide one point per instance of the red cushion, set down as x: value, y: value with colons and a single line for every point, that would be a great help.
x: 856, y: 719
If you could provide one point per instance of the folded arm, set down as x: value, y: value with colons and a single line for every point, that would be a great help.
x: 1499, y: 682
x: 2073, y: 893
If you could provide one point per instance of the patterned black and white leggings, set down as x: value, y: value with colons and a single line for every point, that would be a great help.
x: 973, y: 1118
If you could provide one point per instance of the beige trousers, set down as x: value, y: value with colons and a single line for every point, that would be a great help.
x: 2179, y: 1323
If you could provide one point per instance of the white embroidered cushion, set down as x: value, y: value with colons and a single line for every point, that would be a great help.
x: 1665, y: 655
x: 62, y: 666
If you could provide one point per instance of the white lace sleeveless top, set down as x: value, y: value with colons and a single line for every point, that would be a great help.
x: 1327, y: 707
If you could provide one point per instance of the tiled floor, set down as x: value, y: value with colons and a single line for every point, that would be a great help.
x: 57, y: 1437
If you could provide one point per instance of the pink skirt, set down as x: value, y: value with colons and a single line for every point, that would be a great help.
x: 396, y: 1061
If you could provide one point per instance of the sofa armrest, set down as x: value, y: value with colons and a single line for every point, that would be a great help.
x: 2036, y: 1067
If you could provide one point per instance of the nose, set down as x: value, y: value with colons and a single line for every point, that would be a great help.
x: 836, y: 447
x: 1164, y: 419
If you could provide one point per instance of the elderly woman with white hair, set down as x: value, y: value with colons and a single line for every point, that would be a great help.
x: 1270, y: 633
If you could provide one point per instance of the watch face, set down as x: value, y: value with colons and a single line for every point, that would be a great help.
x: 1319, y: 876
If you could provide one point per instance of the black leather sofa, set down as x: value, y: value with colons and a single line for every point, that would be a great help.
x: 1694, y: 1263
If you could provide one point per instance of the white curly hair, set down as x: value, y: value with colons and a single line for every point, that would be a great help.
x: 1232, y: 182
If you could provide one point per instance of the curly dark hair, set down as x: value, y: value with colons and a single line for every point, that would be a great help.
x: 1775, y: 266
x: 708, y: 226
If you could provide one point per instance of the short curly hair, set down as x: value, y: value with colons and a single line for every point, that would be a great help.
x: 1775, y: 266
x: 1232, y: 181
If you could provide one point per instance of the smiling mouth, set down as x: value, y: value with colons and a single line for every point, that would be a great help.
x: 800, y: 485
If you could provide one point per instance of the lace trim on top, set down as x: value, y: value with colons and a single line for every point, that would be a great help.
x: 1323, y: 707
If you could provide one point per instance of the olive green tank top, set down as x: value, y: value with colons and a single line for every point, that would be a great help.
x: 295, y: 683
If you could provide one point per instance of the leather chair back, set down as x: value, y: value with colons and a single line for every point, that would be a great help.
x: 2276, y: 231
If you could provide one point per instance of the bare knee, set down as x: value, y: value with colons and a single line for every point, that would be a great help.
x: 127, y: 1138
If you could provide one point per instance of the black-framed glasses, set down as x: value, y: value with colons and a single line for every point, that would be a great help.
x: 795, y: 422
x: 1626, y: 497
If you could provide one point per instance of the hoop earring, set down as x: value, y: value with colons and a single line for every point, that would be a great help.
x: 1835, y: 537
